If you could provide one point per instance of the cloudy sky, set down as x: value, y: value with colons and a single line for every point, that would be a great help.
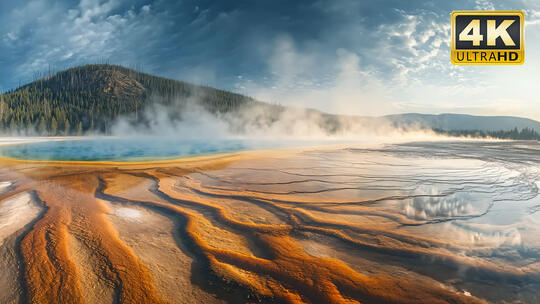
x: 340, y: 56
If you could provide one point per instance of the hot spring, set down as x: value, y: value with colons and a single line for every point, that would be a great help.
x: 135, y: 149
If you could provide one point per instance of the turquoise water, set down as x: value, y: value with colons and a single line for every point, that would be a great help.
x: 114, y: 149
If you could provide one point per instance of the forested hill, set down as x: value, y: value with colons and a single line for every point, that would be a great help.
x: 90, y: 97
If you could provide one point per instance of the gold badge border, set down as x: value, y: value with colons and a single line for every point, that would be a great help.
x: 453, y: 50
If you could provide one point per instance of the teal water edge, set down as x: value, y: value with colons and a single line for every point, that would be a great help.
x: 142, y: 149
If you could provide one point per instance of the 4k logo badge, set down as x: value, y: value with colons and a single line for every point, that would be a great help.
x: 487, y: 37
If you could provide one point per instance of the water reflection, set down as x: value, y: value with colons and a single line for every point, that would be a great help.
x: 429, y: 204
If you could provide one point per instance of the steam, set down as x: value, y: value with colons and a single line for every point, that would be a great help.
x: 163, y: 121
x: 191, y: 120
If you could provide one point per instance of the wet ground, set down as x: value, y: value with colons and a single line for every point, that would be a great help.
x: 447, y: 222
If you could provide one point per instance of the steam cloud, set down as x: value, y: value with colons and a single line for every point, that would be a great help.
x: 190, y: 120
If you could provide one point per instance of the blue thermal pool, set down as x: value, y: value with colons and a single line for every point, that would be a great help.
x: 115, y: 149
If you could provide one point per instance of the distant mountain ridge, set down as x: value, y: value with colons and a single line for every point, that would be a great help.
x: 449, y: 121
x: 90, y: 98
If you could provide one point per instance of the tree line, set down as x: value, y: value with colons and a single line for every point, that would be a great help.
x: 516, y: 134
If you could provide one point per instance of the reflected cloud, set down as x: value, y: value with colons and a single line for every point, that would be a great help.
x: 431, y: 205
x: 490, y: 235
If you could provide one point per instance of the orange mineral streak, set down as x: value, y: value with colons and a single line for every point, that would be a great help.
x: 50, y: 274
x: 277, y: 269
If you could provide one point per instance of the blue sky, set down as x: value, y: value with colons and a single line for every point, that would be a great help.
x: 340, y: 56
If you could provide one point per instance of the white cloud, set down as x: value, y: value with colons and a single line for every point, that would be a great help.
x: 532, y: 17
x: 297, y: 82
x: 11, y: 36
x: 485, y: 5
x: 146, y: 8
x: 60, y: 36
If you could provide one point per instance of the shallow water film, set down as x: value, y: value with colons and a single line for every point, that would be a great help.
x: 428, y: 222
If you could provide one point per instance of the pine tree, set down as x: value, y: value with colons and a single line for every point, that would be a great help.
x: 42, y: 126
x: 54, y: 127
x: 1, y: 108
x: 66, y: 127
x: 79, y: 129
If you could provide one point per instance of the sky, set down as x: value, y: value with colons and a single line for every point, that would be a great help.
x: 340, y: 56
